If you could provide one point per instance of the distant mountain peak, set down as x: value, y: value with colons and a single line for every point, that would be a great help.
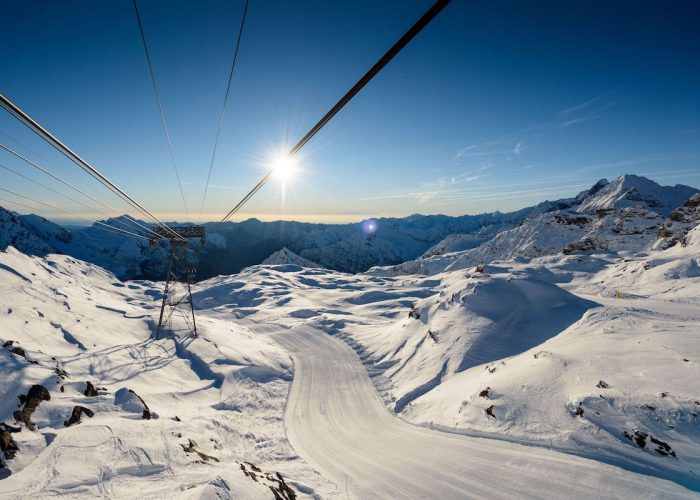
x: 286, y: 256
x: 633, y: 190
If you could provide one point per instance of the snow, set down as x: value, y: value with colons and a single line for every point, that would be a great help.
x: 227, y: 389
x: 621, y: 216
x: 540, y: 354
x: 371, y: 454
x: 541, y: 335
x: 286, y: 256
x: 391, y: 241
x: 631, y: 190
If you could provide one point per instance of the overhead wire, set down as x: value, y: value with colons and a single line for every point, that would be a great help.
x: 160, y: 105
x: 19, y: 174
x: 35, y: 127
x: 46, y: 161
x: 100, y: 225
x: 223, y: 107
x: 381, y: 63
x: 68, y: 184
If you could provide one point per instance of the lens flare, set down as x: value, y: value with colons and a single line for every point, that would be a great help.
x: 369, y: 226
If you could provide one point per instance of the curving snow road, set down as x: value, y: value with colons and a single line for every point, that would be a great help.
x: 336, y: 420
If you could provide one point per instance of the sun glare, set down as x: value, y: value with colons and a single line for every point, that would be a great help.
x: 284, y: 166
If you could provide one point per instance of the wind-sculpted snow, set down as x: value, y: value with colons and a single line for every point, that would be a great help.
x: 66, y: 323
x: 588, y: 354
x: 575, y: 352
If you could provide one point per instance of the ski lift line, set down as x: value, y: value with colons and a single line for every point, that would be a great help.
x: 75, y: 158
x: 77, y: 182
x: 5, y: 167
x: 58, y: 145
x: 101, y: 225
x: 160, y: 106
x: 223, y: 107
x: 43, y: 158
x: 65, y: 183
x: 378, y: 66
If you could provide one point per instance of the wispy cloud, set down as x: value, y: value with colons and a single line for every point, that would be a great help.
x: 585, y: 104
x: 484, y: 149
x: 581, y: 119
x: 518, y: 148
x: 591, y: 115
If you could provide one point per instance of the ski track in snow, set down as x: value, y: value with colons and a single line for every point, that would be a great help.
x: 638, y: 332
x: 336, y: 420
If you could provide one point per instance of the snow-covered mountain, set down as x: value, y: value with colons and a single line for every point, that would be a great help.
x: 679, y: 223
x: 623, y: 215
x: 94, y: 405
x: 634, y: 191
x: 593, y: 354
x: 29, y: 233
x: 286, y: 256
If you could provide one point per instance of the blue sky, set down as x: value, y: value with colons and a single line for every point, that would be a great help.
x: 494, y: 106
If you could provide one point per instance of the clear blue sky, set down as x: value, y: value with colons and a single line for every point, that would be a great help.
x: 495, y: 105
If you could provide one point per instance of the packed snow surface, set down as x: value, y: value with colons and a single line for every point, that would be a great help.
x: 538, y: 336
x: 551, y: 356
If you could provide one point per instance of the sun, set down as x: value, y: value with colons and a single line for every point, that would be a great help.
x: 284, y: 166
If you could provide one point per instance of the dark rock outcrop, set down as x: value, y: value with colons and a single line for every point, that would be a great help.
x: 78, y: 411
x: 35, y: 395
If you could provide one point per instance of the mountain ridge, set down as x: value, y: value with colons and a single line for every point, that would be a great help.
x: 357, y: 247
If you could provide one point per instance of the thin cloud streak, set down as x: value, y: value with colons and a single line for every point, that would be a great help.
x: 584, y: 104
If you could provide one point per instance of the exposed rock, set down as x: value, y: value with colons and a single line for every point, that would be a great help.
x: 192, y: 448
x: 679, y: 222
x: 7, y: 443
x: 280, y: 489
x: 132, y: 402
x: 283, y: 491
x: 489, y: 411
x: 413, y: 313
x: 432, y: 335
x: 640, y: 438
x: 602, y: 385
x: 60, y: 371
x: 75, y: 416
x: 662, y: 448
x: 92, y: 391
x: 485, y: 393
x: 34, y: 397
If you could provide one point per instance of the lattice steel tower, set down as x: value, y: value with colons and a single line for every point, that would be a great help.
x: 177, y: 295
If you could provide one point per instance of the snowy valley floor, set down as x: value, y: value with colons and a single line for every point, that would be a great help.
x: 594, y: 356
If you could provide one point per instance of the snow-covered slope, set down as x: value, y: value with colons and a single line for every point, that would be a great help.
x: 286, y: 256
x: 28, y: 233
x: 204, y: 419
x: 591, y: 354
x: 679, y: 222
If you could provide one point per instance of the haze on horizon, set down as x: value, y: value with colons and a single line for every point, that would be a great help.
x: 493, y: 106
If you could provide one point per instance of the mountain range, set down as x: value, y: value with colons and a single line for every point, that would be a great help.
x: 626, y: 214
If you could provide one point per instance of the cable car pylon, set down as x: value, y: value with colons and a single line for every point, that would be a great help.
x: 177, y: 294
